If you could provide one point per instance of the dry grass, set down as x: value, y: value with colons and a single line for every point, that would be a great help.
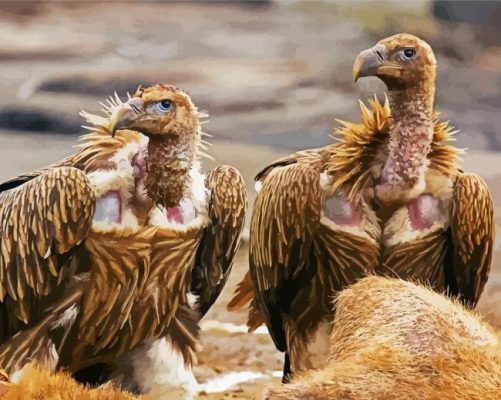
x: 393, y: 339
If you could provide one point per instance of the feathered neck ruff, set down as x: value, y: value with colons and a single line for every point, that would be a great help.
x: 359, y: 144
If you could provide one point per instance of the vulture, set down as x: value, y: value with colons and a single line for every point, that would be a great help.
x: 110, y: 257
x: 388, y: 198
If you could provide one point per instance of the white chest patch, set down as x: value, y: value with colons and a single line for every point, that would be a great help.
x: 183, y: 213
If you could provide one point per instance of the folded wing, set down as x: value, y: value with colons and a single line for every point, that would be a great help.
x: 219, y: 244
x: 285, y: 219
x: 41, y: 221
x: 472, y: 235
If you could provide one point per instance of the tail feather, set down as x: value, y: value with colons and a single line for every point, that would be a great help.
x: 244, y: 294
x: 255, y: 318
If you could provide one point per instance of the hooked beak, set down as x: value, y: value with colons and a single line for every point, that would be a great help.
x: 126, y: 115
x: 368, y: 62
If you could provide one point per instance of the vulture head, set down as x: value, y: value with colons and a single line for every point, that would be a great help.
x: 400, y: 61
x: 155, y: 111
x: 171, y: 123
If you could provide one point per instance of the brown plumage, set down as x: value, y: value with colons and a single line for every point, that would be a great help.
x: 393, y: 339
x: 120, y: 246
x: 388, y: 198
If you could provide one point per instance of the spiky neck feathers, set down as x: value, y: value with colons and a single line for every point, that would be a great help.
x: 411, y: 129
x: 361, y: 146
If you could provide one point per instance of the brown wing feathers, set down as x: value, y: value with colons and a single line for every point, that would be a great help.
x: 287, y: 214
x: 43, y: 339
x: 219, y: 244
x: 137, y: 292
x: 472, y: 234
x: 41, y: 221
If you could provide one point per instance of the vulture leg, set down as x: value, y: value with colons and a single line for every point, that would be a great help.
x: 286, y: 378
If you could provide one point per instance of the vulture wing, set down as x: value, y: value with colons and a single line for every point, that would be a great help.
x: 41, y: 221
x: 472, y: 234
x: 219, y: 244
x: 286, y: 216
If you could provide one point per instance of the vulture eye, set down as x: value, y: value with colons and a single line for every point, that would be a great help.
x: 164, y: 106
x: 409, y: 53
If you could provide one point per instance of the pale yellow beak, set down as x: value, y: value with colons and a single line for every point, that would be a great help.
x: 368, y: 62
x: 126, y: 116
x: 355, y: 73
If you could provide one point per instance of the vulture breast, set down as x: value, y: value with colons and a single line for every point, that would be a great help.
x: 141, y: 258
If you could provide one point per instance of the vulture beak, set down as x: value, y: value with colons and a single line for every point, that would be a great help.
x: 126, y: 115
x: 369, y: 61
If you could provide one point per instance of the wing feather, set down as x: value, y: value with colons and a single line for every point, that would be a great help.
x: 41, y: 220
x: 472, y: 234
x: 286, y: 216
x: 219, y: 244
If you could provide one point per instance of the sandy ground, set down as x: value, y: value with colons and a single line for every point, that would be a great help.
x: 273, y: 77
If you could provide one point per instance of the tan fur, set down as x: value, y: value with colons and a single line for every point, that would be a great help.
x: 39, y: 384
x: 393, y: 339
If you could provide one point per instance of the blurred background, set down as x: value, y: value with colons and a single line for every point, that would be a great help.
x: 273, y: 75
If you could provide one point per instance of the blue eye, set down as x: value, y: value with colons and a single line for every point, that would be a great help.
x: 409, y: 53
x: 164, y: 106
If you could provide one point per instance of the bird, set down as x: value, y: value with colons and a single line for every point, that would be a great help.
x: 388, y: 197
x: 395, y: 337
x: 110, y: 257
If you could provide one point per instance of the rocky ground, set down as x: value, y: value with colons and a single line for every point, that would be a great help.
x: 273, y: 76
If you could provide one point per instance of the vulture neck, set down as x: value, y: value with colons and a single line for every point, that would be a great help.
x: 169, y: 162
x: 411, y: 136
